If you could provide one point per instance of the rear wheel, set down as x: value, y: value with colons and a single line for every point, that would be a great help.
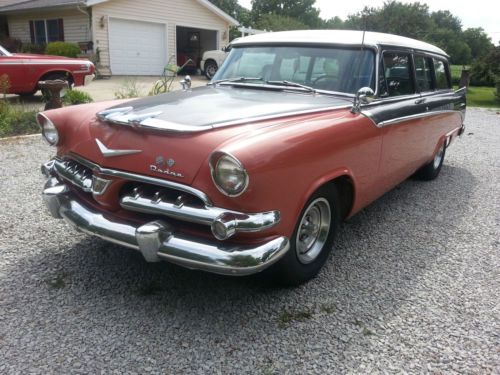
x: 431, y: 170
x: 312, y: 239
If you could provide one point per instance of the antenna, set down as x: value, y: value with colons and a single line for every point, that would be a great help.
x: 361, y: 53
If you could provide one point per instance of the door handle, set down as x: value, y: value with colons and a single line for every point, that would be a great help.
x: 420, y: 101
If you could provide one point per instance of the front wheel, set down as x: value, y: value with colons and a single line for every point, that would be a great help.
x: 431, y: 170
x: 312, y: 239
x: 210, y: 69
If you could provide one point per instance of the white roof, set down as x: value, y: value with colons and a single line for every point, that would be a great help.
x: 342, y: 37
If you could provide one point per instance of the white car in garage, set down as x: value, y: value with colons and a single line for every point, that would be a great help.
x: 212, y: 60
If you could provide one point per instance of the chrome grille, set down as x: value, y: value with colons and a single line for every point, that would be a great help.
x: 176, y: 204
x: 75, y: 173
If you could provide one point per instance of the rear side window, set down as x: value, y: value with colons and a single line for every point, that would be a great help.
x: 423, y: 72
x: 441, y: 74
x: 397, y: 74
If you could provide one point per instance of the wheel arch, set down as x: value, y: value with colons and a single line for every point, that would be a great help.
x: 343, y: 181
x: 47, y: 74
x: 211, y: 59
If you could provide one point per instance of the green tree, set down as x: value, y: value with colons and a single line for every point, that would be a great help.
x: 275, y: 22
x: 235, y: 10
x: 333, y: 23
x: 453, y: 43
x: 478, y: 41
x: 301, y: 10
x: 443, y: 19
x: 411, y: 20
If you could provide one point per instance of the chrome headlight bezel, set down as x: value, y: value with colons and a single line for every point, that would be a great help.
x: 216, y: 165
x: 49, y: 130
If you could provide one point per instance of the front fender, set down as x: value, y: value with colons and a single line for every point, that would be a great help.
x: 289, y: 161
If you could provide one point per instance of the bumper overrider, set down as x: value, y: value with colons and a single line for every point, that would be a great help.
x: 157, y: 240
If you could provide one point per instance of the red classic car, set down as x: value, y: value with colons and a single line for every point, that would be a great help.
x: 25, y: 71
x: 296, y: 132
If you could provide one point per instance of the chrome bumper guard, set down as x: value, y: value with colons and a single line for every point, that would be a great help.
x: 157, y: 240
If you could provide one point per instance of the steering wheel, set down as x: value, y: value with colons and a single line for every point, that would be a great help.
x: 326, y: 77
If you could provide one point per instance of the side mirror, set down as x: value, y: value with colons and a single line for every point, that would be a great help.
x: 365, y: 95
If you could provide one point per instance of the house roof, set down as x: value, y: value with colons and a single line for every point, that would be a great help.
x: 39, y: 4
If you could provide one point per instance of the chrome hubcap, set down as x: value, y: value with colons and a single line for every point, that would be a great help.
x: 313, y: 230
x: 211, y: 70
x: 439, y: 157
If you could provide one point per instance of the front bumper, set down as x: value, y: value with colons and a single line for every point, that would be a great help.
x: 88, y: 79
x: 157, y: 240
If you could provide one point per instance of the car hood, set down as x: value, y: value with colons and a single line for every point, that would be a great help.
x: 241, y: 114
x: 211, y: 106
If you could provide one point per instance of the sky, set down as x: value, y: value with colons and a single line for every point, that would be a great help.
x: 476, y: 13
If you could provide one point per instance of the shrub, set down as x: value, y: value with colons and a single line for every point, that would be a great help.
x: 72, y: 97
x: 33, y: 48
x: 62, y: 49
x: 486, y: 69
x: 16, y: 120
x: 481, y: 74
x: 128, y: 89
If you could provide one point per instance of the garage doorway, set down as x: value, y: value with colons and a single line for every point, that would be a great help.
x: 191, y: 43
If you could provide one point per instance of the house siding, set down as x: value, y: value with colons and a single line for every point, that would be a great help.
x: 76, y: 25
x: 172, y: 13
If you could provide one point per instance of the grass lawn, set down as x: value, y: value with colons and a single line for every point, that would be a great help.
x: 481, y: 97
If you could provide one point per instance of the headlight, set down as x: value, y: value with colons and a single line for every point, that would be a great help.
x: 49, y: 131
x: 228, y: 174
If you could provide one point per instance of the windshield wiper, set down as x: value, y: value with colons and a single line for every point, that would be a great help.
x: 293, y: 84
x: 235, y: 80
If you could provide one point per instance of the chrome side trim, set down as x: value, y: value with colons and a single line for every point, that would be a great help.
x: 141, y: 178
x: 156, y: 240
x: 398, y: 120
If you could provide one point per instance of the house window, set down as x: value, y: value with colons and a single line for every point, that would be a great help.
x: 45, y: 31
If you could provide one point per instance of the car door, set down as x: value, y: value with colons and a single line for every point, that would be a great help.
x: 12, y: 66
x: 398, y: 115
x: 444, y: 107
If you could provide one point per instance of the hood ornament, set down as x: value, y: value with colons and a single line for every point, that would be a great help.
x: 108, y: 152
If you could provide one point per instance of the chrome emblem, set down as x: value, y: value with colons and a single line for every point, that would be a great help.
x: 163, y: 166
x: 108, y: 152
x: 160, y: 161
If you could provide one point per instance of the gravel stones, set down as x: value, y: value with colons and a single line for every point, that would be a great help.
x: 413, y: 287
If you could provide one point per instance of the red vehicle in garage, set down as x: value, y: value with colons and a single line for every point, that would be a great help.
x: 25, y: 70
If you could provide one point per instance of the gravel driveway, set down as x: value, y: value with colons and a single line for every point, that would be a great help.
x: 413, y: 287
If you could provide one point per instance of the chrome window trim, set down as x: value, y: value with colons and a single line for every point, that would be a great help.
x: 141, y: 178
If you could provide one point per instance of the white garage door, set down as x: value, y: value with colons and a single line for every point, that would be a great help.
x: 137, y: 48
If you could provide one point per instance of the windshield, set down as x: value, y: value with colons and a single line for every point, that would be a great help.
x: 335, y: 69
x: 4, y: 52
